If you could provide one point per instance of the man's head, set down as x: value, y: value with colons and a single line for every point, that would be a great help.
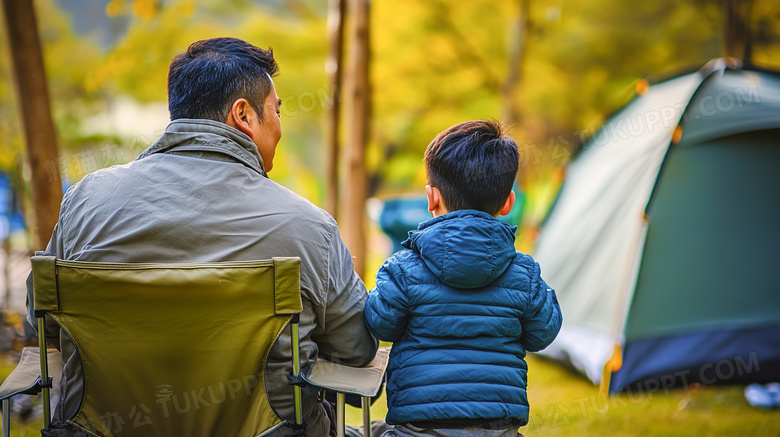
x: 228, y: 80
x: 471, y: 165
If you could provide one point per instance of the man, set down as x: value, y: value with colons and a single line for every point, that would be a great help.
x: 201, y: 194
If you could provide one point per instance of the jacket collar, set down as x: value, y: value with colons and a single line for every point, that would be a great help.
x: 452, y: 216
x: 202, y: 135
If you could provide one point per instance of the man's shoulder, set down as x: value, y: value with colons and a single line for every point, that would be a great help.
x: 117, y: 177
x: 98, y: 180
x: 300, y: 206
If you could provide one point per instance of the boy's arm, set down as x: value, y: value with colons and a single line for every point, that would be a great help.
x: 542, y: 321
x: 387, y: 308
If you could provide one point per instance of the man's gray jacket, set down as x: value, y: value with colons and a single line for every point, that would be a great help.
x: 201, y: 194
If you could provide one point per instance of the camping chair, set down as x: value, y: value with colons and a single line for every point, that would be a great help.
x: 171, y: 349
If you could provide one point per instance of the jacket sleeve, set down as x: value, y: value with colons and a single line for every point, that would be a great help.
x: 345, y: 338
x: 542, y: 320
x: 387, y: 310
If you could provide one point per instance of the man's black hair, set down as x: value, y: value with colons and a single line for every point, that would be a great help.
x: 204, y: 81
x: 474, y: 165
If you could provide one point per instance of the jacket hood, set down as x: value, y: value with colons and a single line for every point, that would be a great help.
x: 465, y: 249
x: 200, y: 135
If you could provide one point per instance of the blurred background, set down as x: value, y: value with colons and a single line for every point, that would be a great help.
x: 552, y: 70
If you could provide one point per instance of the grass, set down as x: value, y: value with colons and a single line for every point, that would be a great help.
x: 556, y: 393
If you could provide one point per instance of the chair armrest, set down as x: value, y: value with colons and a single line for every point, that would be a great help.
x: 25, y: 378
x: 364, y: 381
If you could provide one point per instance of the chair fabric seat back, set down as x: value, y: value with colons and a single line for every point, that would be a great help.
x: 171, y: 349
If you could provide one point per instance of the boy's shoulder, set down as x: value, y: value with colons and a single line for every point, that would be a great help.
x: 523, y: 264
x: 524, y: 260
x: 403, y: 259
x: 521, y: 274
x: 408, y: 265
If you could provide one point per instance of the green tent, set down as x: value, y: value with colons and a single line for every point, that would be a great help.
x: 663, y: 242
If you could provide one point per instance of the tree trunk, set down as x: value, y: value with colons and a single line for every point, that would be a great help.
x: 333, y: 68
x: 36, y: 116
x: 736, y: 32
x: 358, y: 121
x: 518, y: 46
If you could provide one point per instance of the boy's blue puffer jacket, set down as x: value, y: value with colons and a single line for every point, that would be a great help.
x: 462, y: 308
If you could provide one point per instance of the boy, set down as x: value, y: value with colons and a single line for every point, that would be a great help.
x: 461, y: 305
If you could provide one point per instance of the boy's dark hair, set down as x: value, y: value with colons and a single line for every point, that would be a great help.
x: 204, y: 81
x: 474, y: 165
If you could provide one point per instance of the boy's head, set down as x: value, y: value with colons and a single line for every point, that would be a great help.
x: 471, y: 165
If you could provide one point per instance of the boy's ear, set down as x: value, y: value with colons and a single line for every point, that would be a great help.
x: 434, y: 197
x: 510, y: 202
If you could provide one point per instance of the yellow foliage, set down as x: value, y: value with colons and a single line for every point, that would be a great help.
x: 116, y: 7
x: 434, y: 64
x: 138, y: 65
x: 146, y: 9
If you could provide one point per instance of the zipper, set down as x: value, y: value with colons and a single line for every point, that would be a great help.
x: 148, y: 266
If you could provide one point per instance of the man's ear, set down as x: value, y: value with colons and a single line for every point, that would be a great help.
x: 510, y: 202
x: 239, y: 117
x: 434, y: 197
